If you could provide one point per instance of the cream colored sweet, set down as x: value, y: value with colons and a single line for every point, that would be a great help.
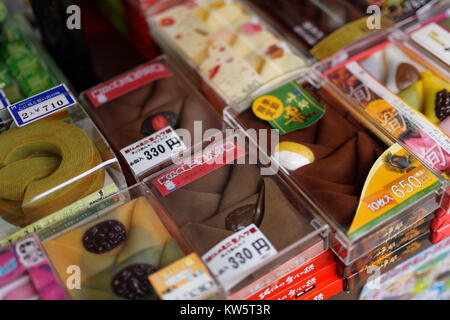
x: 252, y: 37
x: 229, y: 73
x: 251, y: 53
x: 184, y: 26
x: 223, y: 15
x: 278, y: 64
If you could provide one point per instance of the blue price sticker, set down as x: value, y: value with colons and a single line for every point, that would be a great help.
x: 4, y: 103
x: 41, y: 105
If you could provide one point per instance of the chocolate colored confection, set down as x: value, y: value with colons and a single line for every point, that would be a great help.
x: 142, y: 112
x: 123, y: 118
x: 203, y: 208
x: 343, y: 152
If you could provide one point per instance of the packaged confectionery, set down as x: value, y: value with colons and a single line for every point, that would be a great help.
x: 420, y: 227
x: 401, y: 11
x: 440, y: 234
x: 51, y: 164
x: 441, y: 219
x: 25, y: 68
x: 117, y: 244
x: 430, y: 34
x: 324, y: 291
x: 422, y: 277
x: 387, y: 262
x: 149, y: 114
x: 26, y: 273
x: 301, y: 280
x: 321, y: 27
x: 225, y: 48
x: 320, y: 267
x: 362, y: 187
x: 235, y: 215
x: 406, y: 95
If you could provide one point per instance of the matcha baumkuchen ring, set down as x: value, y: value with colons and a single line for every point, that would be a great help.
x: 39, y: 157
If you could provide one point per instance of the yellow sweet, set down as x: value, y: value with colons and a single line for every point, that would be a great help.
x: 145, y: 234
x: 432, y: 85
x: 38, y: 187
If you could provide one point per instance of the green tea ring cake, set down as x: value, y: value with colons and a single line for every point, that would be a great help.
x: 42, y: 156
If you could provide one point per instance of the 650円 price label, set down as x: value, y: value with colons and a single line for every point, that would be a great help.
x: 232, y: 259
x: 153, y: 150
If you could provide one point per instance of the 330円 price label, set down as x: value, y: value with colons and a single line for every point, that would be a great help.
x: 232, y: 259
x: 153, y: 150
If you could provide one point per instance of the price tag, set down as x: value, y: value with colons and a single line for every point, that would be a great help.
x: 4, y: 102
x: 41, y: 105
x: 232, y: 259
x: 185, y: 279
x: 153, y: 150
x: 435, y: 39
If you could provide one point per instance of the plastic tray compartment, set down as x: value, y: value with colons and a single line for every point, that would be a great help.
x: 399, y: 95
x: 203, y: 195
x: 135, y: 109
x: 318, y: 161
x: 140, y: 241
x: 225, y: 48
x: 52, y: 168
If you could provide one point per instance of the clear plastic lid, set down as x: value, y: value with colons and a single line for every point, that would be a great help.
x: 224, y: 47
x: 346, y: 166
x: 135, y: 109
x: 214, y: 201
x: 140, y: 241
x: 390, y: 82
x: 52, y: 168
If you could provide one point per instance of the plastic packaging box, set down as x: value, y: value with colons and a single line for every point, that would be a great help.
x: 429, y: 34
x: 135, y: 109
x: 210, y: 193
x: 224, y: 47
x: 116, y: 244
x: 52, y: 168
x: 387, y: 262
x: 317, y: 159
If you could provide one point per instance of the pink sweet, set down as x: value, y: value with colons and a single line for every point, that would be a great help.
x: 251, y: 28
x: 445, y: 125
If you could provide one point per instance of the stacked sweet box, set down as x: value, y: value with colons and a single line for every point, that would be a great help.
x: 121, y: 248
x: 227, y: 50
x: 408, y: 96
x: 324, y: 27
x: 431, y: 35
x: 376, y: 198
x: 54, y: 162
x: 256, y: 236
x: 422, y: 277
x: 149, y: 114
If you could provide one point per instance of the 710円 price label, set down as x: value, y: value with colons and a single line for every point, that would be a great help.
x: 232, y: 259
x: 41, y: 105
